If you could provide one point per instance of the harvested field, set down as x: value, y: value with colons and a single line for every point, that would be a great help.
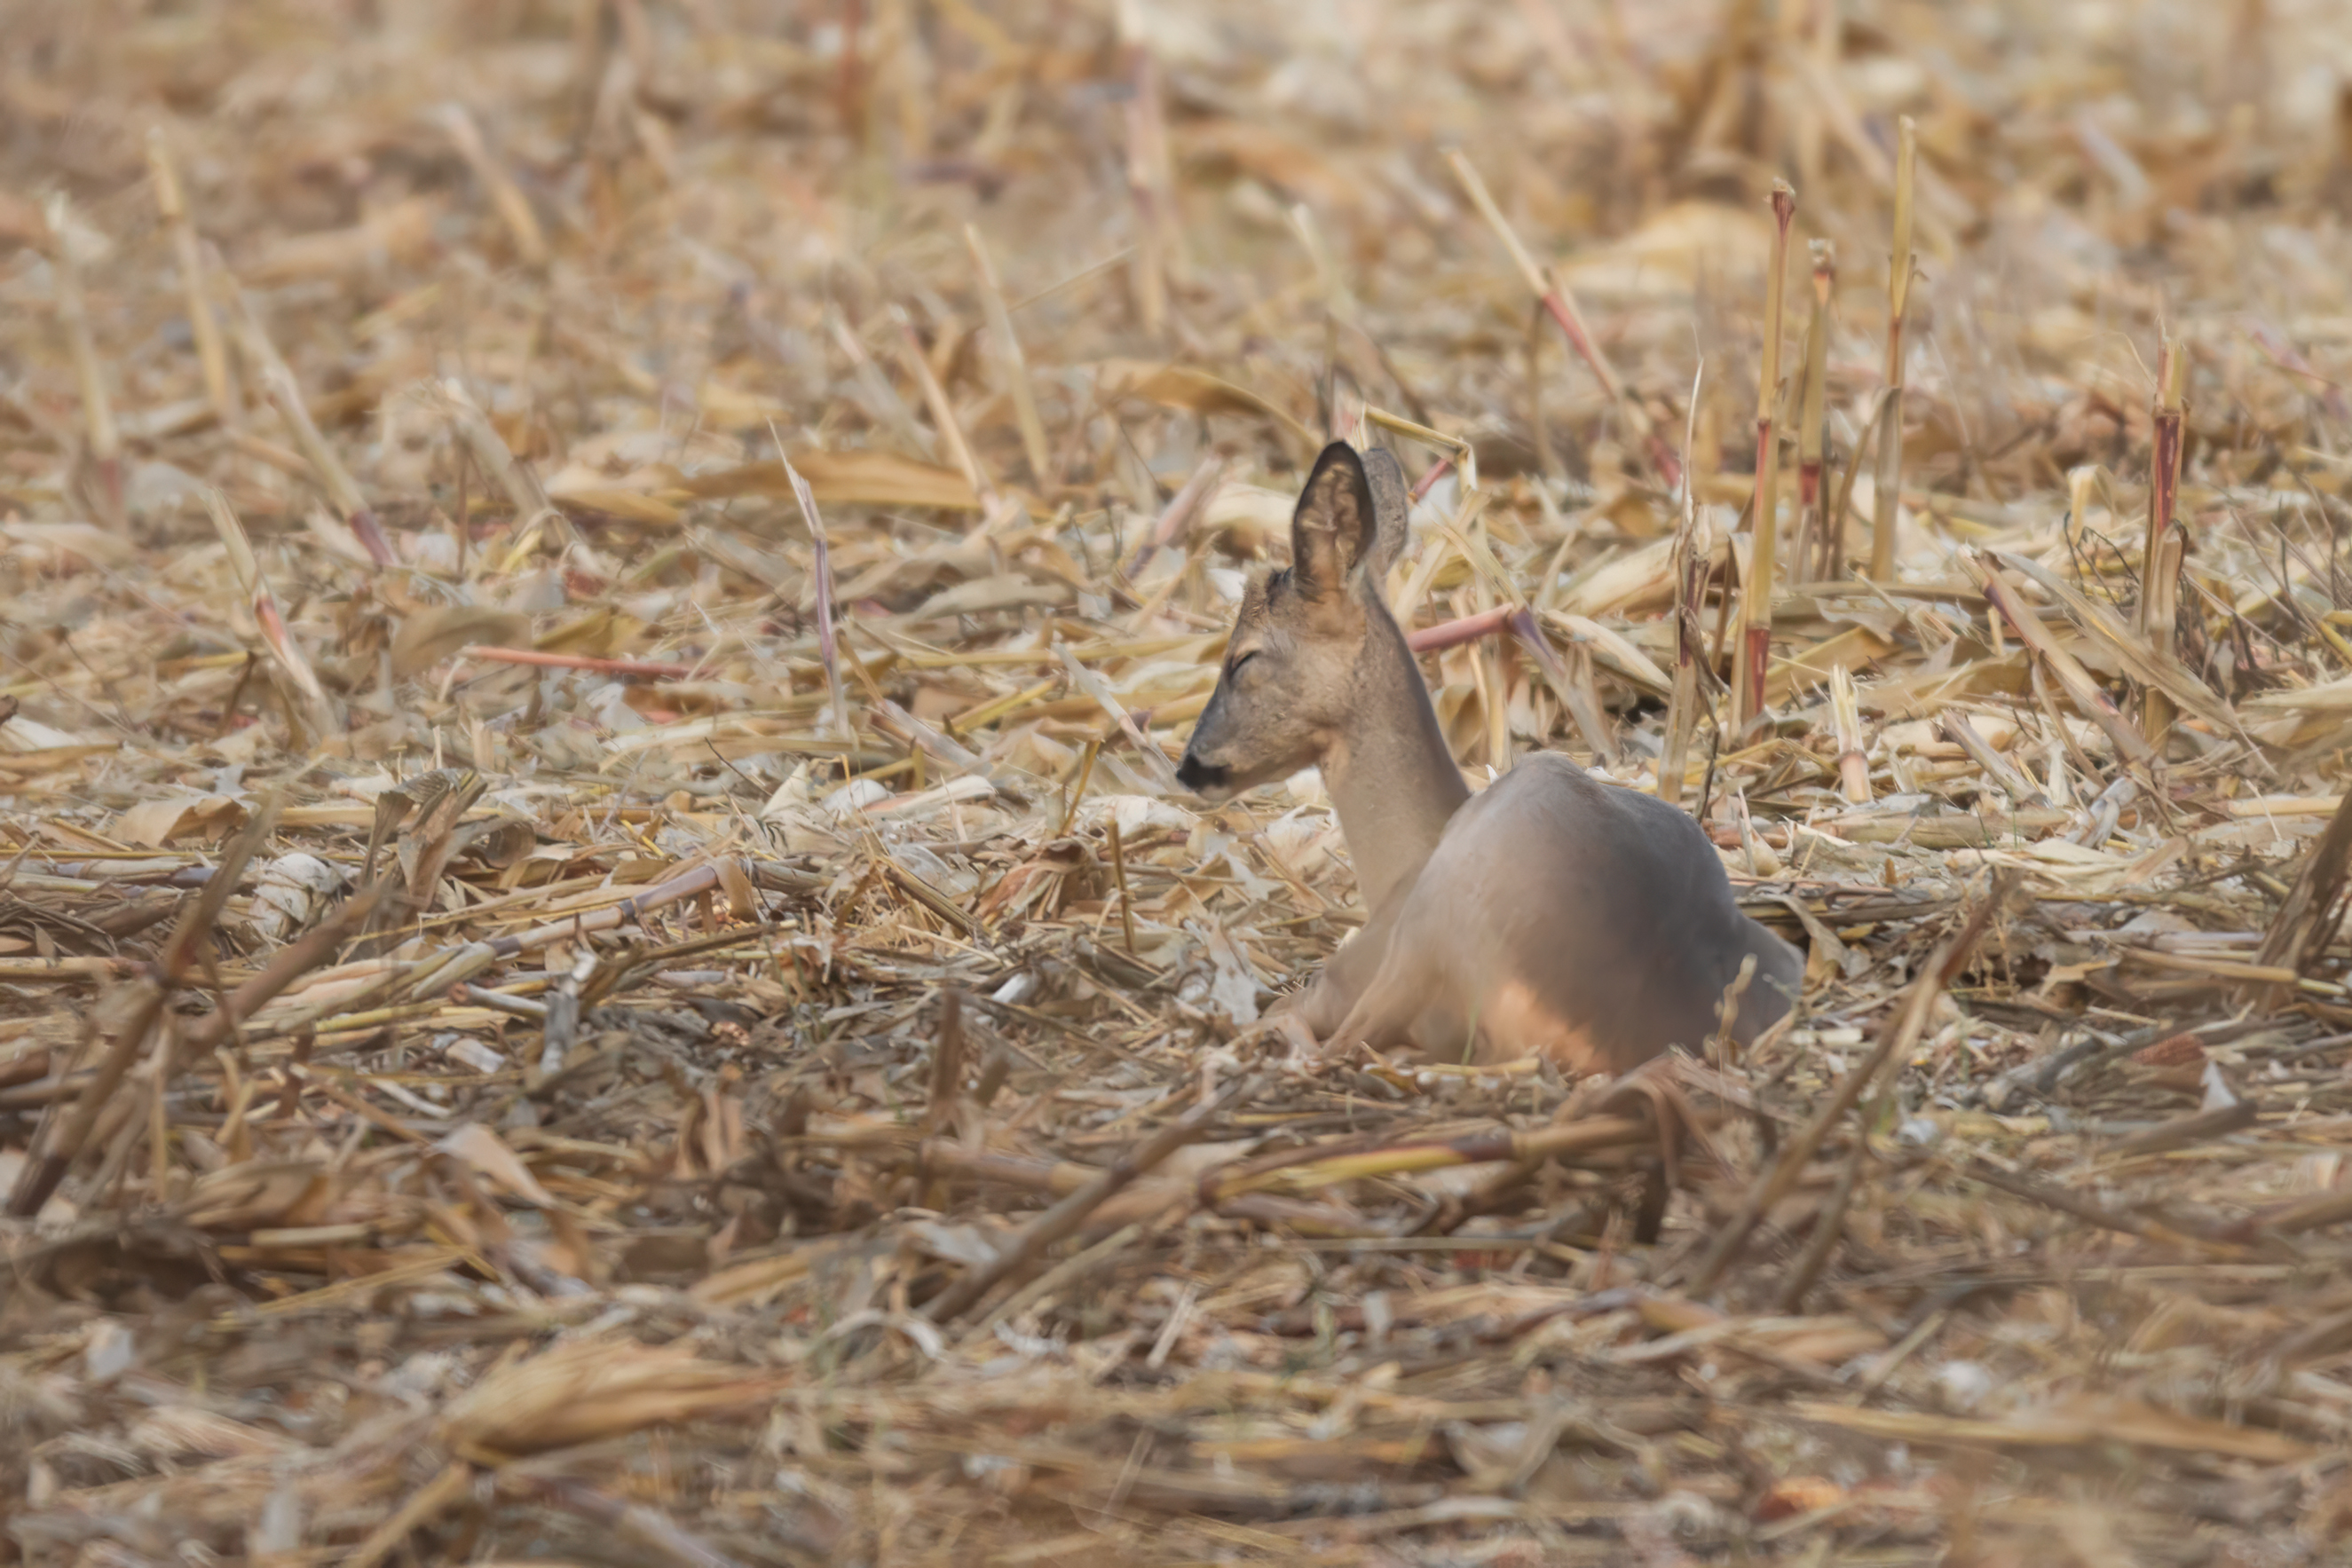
x: 601, y: 957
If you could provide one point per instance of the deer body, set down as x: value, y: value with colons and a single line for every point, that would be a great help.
x: 1550, y: 914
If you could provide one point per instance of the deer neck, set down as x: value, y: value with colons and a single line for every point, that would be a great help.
x: 1390, y: 774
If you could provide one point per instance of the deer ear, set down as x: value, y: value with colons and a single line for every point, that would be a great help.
x: 1337, y: 525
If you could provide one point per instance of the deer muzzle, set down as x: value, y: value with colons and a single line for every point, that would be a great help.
x: 1210, y: 782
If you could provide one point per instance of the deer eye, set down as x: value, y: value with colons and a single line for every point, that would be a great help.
x: 1242, y: 663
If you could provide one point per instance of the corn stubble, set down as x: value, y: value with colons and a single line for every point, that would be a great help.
x: 600, y: 961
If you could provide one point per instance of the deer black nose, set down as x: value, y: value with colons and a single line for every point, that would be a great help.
x: 1196, y: 775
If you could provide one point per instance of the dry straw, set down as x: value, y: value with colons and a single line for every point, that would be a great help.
x: 601, y: 958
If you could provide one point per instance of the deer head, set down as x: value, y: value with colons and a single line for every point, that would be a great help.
x: 1294, y: 681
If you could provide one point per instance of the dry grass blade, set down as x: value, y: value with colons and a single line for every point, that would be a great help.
x: 828, y: 643
x: 1887, y: 478
x: 1016, y: 364
x: 648, y: 1531
x: 102, y: 451
x: 2089, y: 699
x: 2313, y: 907
x: 1821, y: 542
x: 1064, y: 1217
x: 40, y: 1177
x: 901, y: 725
x: 2154, y: 667
x: 1957, y: 729
x: 2160, y: 604
x: 1852, y: 753
x: 1554, y: 298
x: 1828, y: 1227
x: 203, y: 326
x: 421, y: 1507
x: 285, y: 396
x: 590, y: 1390
x: 449, y: 402
x: 267, y: 616
x: 1183, y: 507
x: 1573, y: 687
x: 1462, y: 456
x: 1304, y: 1171
x: 935, y: 397
x: 1752, y: 657
x: 514, y: 208
x: 1691, y: 565
x: 2107, y: 1421
x: 1164, y: 772
x: 286, y: 966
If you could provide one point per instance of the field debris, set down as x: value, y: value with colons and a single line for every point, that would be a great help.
x: 601, y: 960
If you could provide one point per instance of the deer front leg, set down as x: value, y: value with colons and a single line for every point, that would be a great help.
x: 1347, y: 974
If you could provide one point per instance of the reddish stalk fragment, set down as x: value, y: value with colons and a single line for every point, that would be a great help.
x: 1753, y: 653
x: 2159, y: 600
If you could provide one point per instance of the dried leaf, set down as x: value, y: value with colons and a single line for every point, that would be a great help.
x: 591, y: 1390
x: 2089, y: 1418
x: 158, y: 822
x: 847, y: 478
x: 480, y: 1148
x: 1195, y: 391
x: 429, y: 636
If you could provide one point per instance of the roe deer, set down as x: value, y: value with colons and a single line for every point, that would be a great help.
x: 1550, y: 914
